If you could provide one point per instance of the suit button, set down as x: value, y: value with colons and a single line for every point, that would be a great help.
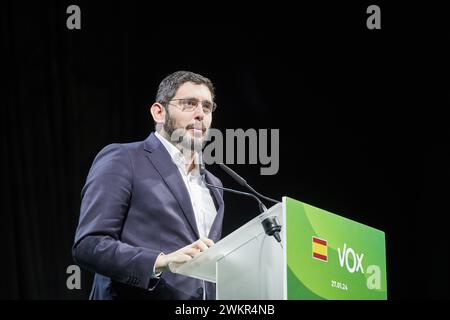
x: 200, y: 291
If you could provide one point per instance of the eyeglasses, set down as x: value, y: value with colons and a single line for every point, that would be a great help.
x: 190, y: 104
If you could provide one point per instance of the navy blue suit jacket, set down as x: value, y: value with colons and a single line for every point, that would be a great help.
x: 134, y: 206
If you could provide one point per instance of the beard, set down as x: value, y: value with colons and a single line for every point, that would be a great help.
x: 179, y: 136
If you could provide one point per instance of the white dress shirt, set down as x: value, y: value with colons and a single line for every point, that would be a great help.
x: 204, y: 209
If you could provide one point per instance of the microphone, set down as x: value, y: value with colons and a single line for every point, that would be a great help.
x: 270, y: 224
x: 244, y: 183
x: 202, y: 170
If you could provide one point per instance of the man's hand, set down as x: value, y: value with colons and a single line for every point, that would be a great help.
x: 171, y: 261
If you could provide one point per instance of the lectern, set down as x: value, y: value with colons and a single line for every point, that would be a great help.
x: 321, y: 256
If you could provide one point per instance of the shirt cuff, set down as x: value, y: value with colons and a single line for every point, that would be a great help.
x: 154, y: 274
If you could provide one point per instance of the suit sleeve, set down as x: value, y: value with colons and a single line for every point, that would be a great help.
x: 104, y: 206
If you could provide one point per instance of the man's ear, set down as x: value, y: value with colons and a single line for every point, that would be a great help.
x: 158, y: 113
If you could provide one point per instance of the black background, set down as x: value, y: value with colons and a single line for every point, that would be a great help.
x: 361, y: 113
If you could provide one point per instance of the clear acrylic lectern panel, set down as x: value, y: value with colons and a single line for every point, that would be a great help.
x: 247, y: 264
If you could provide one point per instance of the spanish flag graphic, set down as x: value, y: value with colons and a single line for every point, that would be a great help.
x: 319, y: 249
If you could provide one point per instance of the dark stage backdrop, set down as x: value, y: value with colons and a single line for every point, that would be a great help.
x: 360, y: 112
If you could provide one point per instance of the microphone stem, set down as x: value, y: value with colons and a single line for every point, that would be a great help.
x: 269, y: 224
x: 244, y: 183
x: 262, y: 207
x: 260, y: 195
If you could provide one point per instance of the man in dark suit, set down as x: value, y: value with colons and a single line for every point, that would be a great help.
x: 145, y: 208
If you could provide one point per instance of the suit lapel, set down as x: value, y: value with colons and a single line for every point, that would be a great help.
x: 168, y: 171
x: 216, y: 228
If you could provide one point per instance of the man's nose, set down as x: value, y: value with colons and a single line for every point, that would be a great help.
x: 199, y: 113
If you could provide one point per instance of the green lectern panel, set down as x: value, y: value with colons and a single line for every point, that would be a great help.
x: 331, y: 257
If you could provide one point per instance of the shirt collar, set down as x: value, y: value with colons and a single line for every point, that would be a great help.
x: 177, y: 156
